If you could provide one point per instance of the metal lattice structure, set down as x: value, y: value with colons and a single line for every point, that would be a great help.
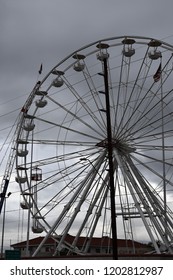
x: 62, y: 145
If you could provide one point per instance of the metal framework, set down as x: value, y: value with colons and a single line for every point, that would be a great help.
x: 93, y: 146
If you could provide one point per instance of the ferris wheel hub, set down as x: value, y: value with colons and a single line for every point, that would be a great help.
x: 117, y: 144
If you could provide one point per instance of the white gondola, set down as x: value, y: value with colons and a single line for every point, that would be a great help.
x: 25, y: 205
x: 22, y: 153
x: 102, y: 55
x: 79, y: 66
x: 128, y: 52
x: 58, y: 82
x: 36, y: 174
x: 21, y: 180
x: 154, y: 54
x: 40, y: 103
x: 37, y: 230
x: 29, y: 127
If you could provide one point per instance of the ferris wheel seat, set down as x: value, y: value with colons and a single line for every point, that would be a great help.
x: 58, y: 82
x: 36, y: 177
x: 128, y: 52
x: 26, y: 206
x: 101, y: 56
x: 29, y: 127
x: 41, y: 103
x: 78, y: 67
x: 154, y: 55
x: 21, y: 180
x: 37, y: 230
x: 22, y: 153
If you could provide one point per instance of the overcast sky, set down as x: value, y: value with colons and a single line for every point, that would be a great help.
x: 45, y: 31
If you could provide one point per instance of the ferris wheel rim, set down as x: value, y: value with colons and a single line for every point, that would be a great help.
x: 169, y: 46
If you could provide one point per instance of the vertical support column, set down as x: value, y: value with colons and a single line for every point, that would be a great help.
x: 111, y: 168
x: 3, y: 229
x: 163, y: 153
x: 3, y: 194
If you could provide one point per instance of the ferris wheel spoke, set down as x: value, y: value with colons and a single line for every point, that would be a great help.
x: 147, y: 136
x: 102, y: 191
x: 87, y: 109
x: 136, y: 194
x: 155, y: 123
x: 61, y: 197
x: 66, y: 173
x: 74, y: 115
x: 68, y: 156
x: 93, y: 90
x: 117, y: 107
x: 148, y: 167
x: 63, y: 194
x: 153, y: 137
x: 82, y: 191
x: 145, y: 111
x: 95, y: 220
x: 147, y: 154
x: 63, y: 143
x: 130, y: 98
x: 160, y: 224
x: 148, y: 147
x: 137, y: 91
x: 131, y: 125
x: 66, y: 128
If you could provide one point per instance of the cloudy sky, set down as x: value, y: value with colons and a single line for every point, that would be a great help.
x: 42, y: 31
x: 45, y: 31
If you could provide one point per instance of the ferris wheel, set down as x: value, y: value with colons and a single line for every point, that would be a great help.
x: 94, y: 145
